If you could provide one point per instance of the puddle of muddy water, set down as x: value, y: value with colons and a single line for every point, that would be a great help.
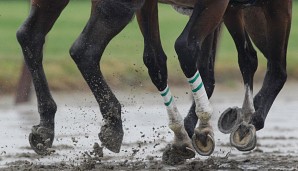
x: 78, y: 122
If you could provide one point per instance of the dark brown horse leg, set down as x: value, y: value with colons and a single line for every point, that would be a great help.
x: 154, y: 56
x: 205, y: 63
x: 31, y: 37
x: 23, y: 92
x: 278, y: 15
x: 235, y: 120
x: 155, y: 61
x: 206, y: 17
x: 107, y: 19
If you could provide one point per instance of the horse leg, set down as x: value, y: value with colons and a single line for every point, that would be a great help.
x: 155, y: 60
x: 207, y: 61
x: 31, y: 36
x: 206, y: 68
x: 235, y: 120
x: 107, y: 19
x: 278, y: 20
x: 206, y: 16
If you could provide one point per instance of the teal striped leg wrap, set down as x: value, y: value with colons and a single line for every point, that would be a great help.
x: 167, y: 96
x: 196, y: 82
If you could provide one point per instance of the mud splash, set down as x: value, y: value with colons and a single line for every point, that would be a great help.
x: 145, y: 137
x: 253, y: 161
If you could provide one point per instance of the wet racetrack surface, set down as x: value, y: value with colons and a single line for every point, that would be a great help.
x: 78, y: 122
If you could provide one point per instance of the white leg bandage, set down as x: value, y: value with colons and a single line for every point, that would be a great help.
x: 203, y: 107
x: 175, y: 118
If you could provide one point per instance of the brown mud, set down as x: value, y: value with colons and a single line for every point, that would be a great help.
x: 146, y: 135
x: 255, y: 160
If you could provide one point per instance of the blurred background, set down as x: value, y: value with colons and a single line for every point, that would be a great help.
x: 122, y: 62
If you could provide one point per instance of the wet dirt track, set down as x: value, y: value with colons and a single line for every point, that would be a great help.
x: 78, y: 122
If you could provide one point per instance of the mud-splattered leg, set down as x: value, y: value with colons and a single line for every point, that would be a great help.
x: 273, y: 44
x: 203, y: 135
x: 31, y: 36
x: 236, y: 120
x: 188, y: 47
x: 155, y: 60
x: 278, y: 30
x: 205, y: 64
x: 107, y: 19
x: 181, y: 148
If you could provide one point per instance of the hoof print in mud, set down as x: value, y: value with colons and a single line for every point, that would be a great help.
x: 174, y: 156
x: 111, y: 137
x: 244, y: 137
x: 41, y: 140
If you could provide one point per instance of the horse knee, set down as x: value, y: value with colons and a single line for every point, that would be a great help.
x: 75, y: 52
x: 22, y: 35
x: 181, y: 47
x: 82, y: 56
x: 186, y: 48
x: 153, y: 57
x: 31, y: 44
x: 188, y: 52
x: 156, y: 62
x: 26, y: 35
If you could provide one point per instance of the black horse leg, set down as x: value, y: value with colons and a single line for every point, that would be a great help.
x: 206, y: 61
x: 205, y: 64
x: 278, y: 29
x: 205, y: 18
x: 231, y: 119
x: 107, y: 19
x: 154, y: 56
x: 31, y: 37
x: 247, y: 56
x: 155, y: 61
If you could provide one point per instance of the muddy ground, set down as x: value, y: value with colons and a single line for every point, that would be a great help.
x: 78, y: 122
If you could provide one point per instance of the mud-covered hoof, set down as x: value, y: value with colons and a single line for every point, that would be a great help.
x: 174, y: 155
x: 41, y: 140
x: 111, y: 136
x: 250, y: 146
x: 229, y: 120
x: 203, y: 141
x: 244, y: 137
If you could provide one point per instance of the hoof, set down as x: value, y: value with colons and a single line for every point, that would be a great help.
x: 174, y: 155
x: 111, y: 136
x: 41, y: 140
x: 203, y: 141
x: 244, y: 137
x: 250, y: 146
x: 229, y: 120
